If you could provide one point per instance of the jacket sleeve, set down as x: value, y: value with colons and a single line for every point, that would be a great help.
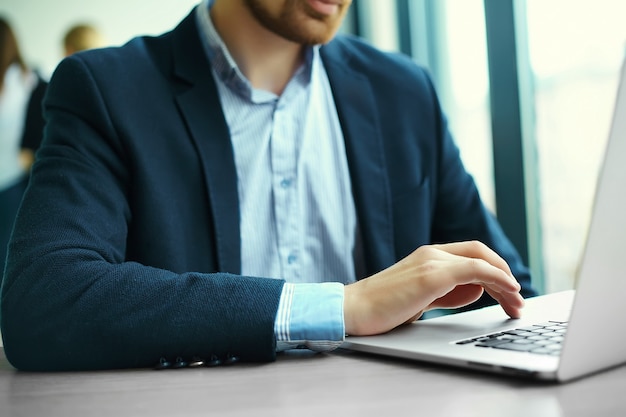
x: 71, y: 300
x: 459, y: 213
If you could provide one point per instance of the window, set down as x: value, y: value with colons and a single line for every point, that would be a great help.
x: 448, y: 38
x: 463, y: 84
x: 575, y: 52
x: 567, y: 61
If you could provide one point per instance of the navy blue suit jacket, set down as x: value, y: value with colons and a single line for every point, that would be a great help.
x: 127, y: 246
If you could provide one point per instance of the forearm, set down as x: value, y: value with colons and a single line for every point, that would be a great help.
x: 88, y: 315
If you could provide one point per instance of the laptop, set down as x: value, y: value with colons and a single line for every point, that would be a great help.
x: 561, y: 336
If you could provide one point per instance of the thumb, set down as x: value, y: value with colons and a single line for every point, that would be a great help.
x: 460, y: 296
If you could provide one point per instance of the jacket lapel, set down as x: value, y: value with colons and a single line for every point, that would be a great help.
x: 356, y: 107
x: 199, y: 103
x: 200, y: 106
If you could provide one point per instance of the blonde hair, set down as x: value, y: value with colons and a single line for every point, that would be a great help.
x: 82, y: 37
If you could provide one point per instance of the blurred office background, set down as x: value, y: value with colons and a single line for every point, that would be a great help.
x: 528, y: 87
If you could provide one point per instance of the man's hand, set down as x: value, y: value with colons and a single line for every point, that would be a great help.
x: 434, y: 276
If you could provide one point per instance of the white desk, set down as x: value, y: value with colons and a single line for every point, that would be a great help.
x: 306, y: 384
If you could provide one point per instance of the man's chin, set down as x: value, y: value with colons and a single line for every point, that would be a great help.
x: 313, y: 33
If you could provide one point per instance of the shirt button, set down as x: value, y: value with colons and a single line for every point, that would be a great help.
x: 286, y: 182
x: 292, y: 258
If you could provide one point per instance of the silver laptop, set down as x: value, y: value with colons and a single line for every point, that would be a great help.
x: 560, y: 336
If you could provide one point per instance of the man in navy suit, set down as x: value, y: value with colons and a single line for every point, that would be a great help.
x: 246, y: 183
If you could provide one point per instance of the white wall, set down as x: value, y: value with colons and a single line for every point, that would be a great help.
x: 41, y: 24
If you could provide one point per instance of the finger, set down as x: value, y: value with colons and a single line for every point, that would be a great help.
x: 476, y: 249
x: 512, y: 303
x: 458, y: 297
x: 475, y: 272
x: 479, y: 272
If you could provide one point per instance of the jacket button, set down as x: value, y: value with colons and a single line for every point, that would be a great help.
x: 213, y: 361
x: 163, y: 364
x: 180, y: 363
x: 230, y: 359
x: 196, y: 362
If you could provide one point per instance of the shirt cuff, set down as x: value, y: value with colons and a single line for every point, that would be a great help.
x: 310, y: 316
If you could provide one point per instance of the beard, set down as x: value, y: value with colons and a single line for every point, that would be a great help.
x: 298, y: 22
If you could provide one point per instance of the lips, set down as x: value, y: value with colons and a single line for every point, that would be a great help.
x: 325, y: 7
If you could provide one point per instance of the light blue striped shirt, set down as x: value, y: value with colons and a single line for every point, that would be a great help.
x: 298, y: 220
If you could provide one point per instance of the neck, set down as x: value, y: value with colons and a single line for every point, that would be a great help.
x: 267, y: 60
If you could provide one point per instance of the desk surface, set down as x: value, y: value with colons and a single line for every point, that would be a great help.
x: 306, y: 384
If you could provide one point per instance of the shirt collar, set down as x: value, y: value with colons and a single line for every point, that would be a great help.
x: 226, y: 68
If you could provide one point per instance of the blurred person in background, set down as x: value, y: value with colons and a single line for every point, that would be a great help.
x: 81, y: 37
x: 21, y: 128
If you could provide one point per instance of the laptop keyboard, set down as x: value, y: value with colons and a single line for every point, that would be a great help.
x: 545, y: 339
